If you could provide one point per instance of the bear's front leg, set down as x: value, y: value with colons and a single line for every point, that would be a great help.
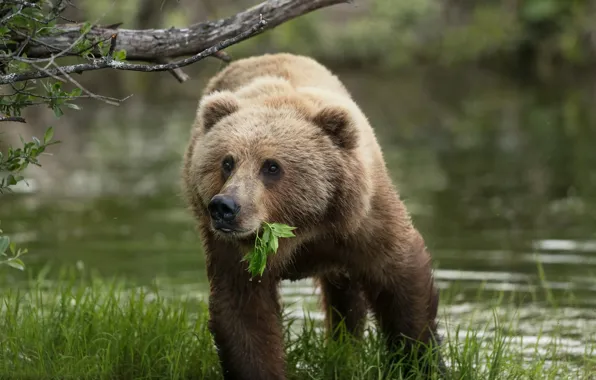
x: 344, y: 301
x: 244, y: 317
x: 405, y: 303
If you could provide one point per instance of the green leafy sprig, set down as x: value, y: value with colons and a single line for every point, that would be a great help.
x: 12, y: 260
x: 17, y: 160
x: 266, y: 245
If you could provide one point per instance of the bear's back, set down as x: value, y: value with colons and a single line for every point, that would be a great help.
x: 299, y: 71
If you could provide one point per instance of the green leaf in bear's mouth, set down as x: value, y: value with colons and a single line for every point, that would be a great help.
x: 265, y: 245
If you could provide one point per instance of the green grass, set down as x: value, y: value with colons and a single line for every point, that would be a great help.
x: 97, y: 329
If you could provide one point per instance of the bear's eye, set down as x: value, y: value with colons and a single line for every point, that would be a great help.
x: 227, y: 165
x: 271, y: 168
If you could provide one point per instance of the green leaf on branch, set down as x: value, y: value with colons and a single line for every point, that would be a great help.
x: 4, y: 243
x: 119, y: 55
x: 85, y: 28
x: 16, y: 263
x: 47, y: 137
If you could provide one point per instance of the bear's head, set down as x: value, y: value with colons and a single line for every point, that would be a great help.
x: 279, y: 160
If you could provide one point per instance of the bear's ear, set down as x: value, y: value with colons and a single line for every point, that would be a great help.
x: 216, y: 106
x: 338, y: 124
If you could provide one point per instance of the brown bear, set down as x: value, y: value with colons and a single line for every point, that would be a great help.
x: 278, y: 138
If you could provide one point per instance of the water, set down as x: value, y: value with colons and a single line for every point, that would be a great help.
x: 499, y: 178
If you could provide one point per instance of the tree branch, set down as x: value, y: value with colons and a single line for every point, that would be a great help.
x: 17, y: 119
x: 158, y: 48
x: 157, y: 45
x: 107, y: 62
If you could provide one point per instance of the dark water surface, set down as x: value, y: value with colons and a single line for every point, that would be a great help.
x: 500, y: 179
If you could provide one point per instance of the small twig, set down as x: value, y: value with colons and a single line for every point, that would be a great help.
x: 66, y: 19
x: 49, y: 98
x: 111, y: 101
x: 118, y: 65
x: 48, y: 73
x: 17, y: 119
x: 111, y: 26
x: 23, y: 3
x: 44, y: 22
x: 11, y: 15
x: 112, y: 44
x: 59, y: 8
x: 223, y: 56
x: 23, y: 45
x: 177, y: 73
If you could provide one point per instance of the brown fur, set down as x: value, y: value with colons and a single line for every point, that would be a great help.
x: 353, y: 232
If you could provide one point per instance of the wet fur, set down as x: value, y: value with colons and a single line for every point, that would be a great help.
x: 354, y: 234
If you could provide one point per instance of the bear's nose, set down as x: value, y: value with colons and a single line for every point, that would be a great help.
x: 223, y: 207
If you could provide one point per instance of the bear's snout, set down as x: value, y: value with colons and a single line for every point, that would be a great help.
x: 223, y: 210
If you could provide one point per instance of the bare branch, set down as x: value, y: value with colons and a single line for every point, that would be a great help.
x: 149, y: 44
x: 107, y: 62
x: 22, y: 3
x: 18, y: 119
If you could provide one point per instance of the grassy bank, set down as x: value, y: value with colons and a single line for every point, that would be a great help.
x: 97, y: 329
